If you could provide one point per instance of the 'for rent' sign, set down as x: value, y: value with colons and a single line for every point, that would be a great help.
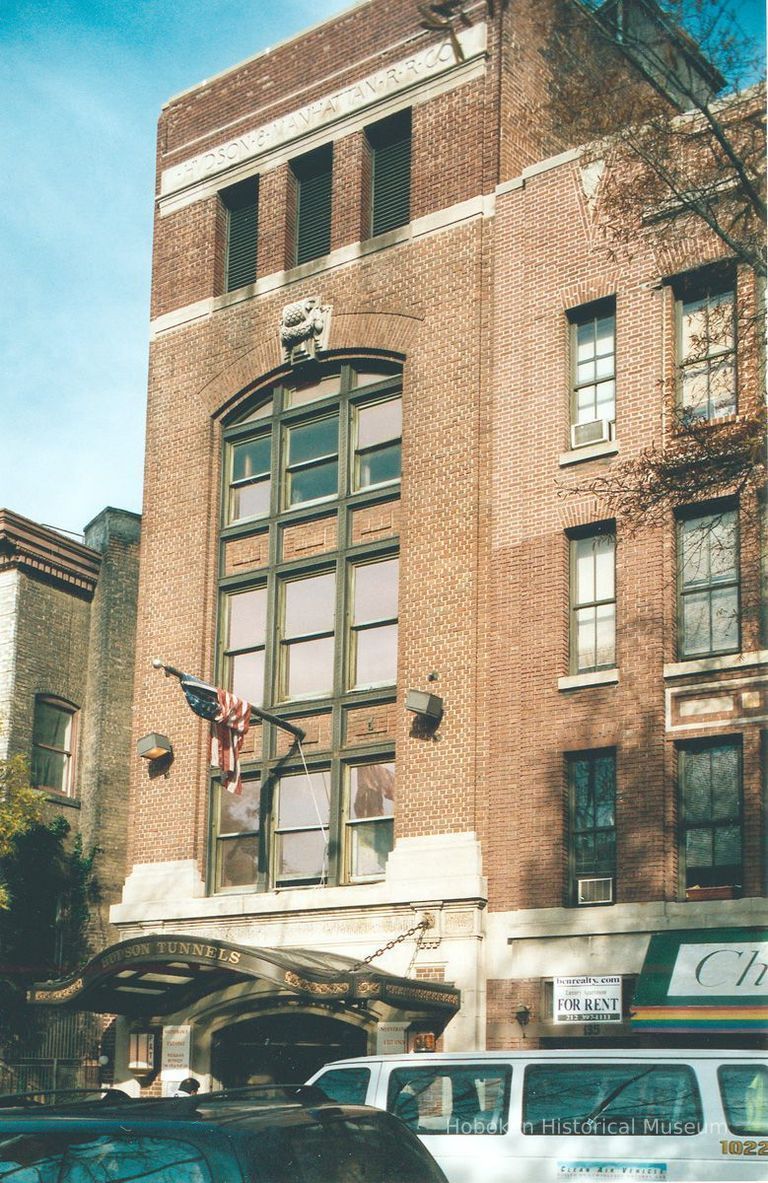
x: 587, y: 1000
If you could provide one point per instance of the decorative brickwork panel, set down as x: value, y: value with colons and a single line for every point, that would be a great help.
x: 310, y: 538
x: 375, y: 724
x: 377, y: 521
x: 429, y: 973
x: 317, y: 737
x: 244, y: 554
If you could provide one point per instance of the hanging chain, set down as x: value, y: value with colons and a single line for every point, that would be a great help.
x: 427, y: 922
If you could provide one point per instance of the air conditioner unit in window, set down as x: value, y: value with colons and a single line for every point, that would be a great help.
x: 595, y: 891
x: 597, y: 431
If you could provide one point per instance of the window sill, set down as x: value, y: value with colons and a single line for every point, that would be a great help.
x: 589, y: 452
x: 708, y: 665
x: 594, y: 678
x: 55, y: 798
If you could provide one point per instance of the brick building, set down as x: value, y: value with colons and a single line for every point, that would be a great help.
x: 67, y: 636
x: 384, y: 330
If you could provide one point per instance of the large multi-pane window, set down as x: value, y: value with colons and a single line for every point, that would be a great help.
x: 708, y: 584
x: 53, y: 745
x: 706, y: 346
x: 592, y: 826
x: 307, y: 626
x: 593, y: 362
x: 593, y: 601
x: 711, y: 814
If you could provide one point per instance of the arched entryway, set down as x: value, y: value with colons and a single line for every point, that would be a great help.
x: 286, y: 1048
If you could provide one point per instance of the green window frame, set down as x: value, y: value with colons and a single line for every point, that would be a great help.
x: 53, y: 745
x: 310, y: 634
x: 241, y: 205
x: 593, y: 362
x: 593, y: 600
x: 592, y: 819
x: 389, y: 144
x: 711, y: 814
x: 709, y: 608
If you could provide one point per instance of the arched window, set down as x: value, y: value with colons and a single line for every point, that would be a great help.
x: 307, y: 624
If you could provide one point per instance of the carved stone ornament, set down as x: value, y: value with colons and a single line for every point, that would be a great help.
x: 304, y: 329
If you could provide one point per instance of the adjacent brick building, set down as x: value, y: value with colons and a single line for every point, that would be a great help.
x: 67, y: 637
x: 385, y: 331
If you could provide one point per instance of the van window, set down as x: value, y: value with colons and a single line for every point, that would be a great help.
x: 608, y: 1099
x: 348, y: 1086
x: 451, y: 1099
x: 68, y: 1158
x: 744, y: 1090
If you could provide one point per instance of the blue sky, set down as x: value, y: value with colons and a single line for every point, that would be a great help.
x: 81, y: 86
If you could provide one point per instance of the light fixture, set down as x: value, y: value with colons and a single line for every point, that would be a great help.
x: 141, y: 1051
x: 424, y: 1041
x: 428, y: 706
x: 523, y: 1014
x: 154, y: 746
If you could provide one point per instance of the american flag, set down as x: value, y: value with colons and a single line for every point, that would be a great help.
x: 230, y: 718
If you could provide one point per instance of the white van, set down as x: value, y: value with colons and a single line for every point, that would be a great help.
x: 591, y: 1116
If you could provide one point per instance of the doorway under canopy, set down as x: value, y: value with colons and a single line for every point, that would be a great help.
x: 284, y: 1048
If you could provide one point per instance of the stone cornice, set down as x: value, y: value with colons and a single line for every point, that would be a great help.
x: 42, y: 552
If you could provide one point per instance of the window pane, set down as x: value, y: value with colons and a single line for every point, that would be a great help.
x: 371, y: 843
x: 311, y: 484
x: 259, y: 412
x: 378, y: 466
x: 591, y: 1099
x: 304, y: 800
x: 247, y: 618
x: 379, y: 423
x: 376, y: 656
x: 251, y: 458
x: 309, y: 605
x: 586, y: 653
x: 301, y: 855
x: 238, y: 861
x: 721, y: 541
x: 744, y: 1089
x: 49, y: 769
x: 471, y: 1099
x: 725, y: 780
x: 727, y: 846
x: 309, y: 667
x: 247, y: 676
x: 372, y: 790
x: 309, y: 392
x: 128, y: 1159
x: 52, y: 725
x: 240, y: 812
x: 348, y: 1086
x: 376, y: 586
x: 250, y: 501
x: 585, y: 571
x: 725, y: 619
x: 696, y: 625
x: 698, y: 849
x: 697, y: 795
x: 605, y: 637
x: 313, y: 440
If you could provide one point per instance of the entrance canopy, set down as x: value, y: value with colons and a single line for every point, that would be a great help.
x: 162, y: 973
x: 707, y: 980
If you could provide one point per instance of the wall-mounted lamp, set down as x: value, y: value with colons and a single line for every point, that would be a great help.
x: 429, y: 707
x: 154, y: 746
x: 523, y: 1014
x: 424, y: 1041
x: 141, y: 1052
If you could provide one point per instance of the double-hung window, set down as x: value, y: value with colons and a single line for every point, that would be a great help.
x: 592, y: 808
x: 53, y: 740
x: 389, y: 144
x: 711, y: 814
x: 308, y: 626
x: 706, y: 346
x: 593, y: 366
x: 313, y: 175
x: 708, y: 584
x: 241, y: 206
x: 593, y: 601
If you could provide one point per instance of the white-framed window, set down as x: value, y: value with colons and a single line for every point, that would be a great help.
x: 593, y: 366
x: 593, y: 600
x: 53, y: 744
x: 706, y: 345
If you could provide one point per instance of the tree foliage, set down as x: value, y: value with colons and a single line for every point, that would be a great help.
x: 666, y: 102
x: 20, y: 810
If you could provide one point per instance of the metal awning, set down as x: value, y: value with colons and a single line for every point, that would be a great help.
x: 163, y: 973
x: 710, y: 980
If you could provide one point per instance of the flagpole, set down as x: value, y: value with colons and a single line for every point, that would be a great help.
x: 170, y: 671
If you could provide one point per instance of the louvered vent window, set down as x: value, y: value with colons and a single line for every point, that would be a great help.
x: 241, y: 202
x: 390, y: 144
x: 313, y: 205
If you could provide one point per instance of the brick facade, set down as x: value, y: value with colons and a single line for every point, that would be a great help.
x: 472, y: 299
